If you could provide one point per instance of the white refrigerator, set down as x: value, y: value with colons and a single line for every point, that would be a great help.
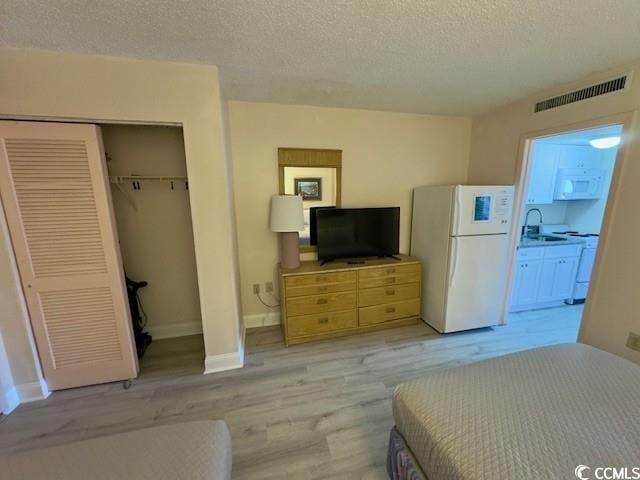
x: 461, y: 234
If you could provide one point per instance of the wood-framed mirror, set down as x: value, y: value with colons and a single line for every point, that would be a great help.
x: 314, y: 173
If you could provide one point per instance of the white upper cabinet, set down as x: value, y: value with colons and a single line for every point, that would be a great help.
x: 578, y: 156
x: 580, y: 173
x: 548, y: 160
x: 542, y: 175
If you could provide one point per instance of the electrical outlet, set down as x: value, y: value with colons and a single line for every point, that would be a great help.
x: 256, y: 288
x: 633, y: 341
x: 268, y: 287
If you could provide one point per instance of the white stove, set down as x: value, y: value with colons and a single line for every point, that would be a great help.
x: 587, y: 257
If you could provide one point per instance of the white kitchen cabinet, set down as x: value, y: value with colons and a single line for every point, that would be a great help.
x: 542, y: 175
x: 525, y: 290
x: 544, y: 276
x: 579, y: 156
x: 557, y: 278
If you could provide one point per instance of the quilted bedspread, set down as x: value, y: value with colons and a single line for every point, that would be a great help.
x: 534, y: 414
x: 194, y: 451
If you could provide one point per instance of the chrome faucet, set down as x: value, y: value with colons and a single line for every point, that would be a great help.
x: 525, y: 230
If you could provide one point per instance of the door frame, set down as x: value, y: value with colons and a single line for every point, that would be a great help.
x: 523, y: 169
x: 25, y: 314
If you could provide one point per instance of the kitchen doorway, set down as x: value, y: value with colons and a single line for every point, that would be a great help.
x: 560, y: 210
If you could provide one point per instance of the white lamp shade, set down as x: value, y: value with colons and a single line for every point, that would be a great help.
x: 286, y: 213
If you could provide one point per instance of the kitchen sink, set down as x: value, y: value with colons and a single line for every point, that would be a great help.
x: 545, y: 238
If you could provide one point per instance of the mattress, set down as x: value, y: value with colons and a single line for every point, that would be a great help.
x: 195, y: 450
x: 534, y: 414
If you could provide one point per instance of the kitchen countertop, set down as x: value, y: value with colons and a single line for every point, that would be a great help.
x: 530, y: 242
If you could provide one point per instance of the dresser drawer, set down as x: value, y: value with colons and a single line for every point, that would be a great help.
x: 382, y: 295
x: 320, y: 323
x: 330, y: 302
x: 388, y: 271
x: 320, y: 279
x: 388, y: 312
x: 393, y: 279
x: 303, y: 290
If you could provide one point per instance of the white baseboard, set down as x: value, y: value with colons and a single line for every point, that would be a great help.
x: 262, y: 319
x: 31, y: 392
x: 23, y: 393
x: 226, y: 361
x: 172, y: 330
x: 9, y: 401
x: 243, y: 337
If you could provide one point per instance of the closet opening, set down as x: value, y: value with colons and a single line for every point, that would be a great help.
x: 150, y: 194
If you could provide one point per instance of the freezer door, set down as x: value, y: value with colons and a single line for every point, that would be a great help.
x: 476, y: 283
x: 482, y: 210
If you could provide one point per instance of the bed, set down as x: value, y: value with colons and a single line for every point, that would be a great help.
x: 534, y: 414
x: 193, y: 450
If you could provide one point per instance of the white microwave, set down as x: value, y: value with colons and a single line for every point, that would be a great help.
x: 578, y: 184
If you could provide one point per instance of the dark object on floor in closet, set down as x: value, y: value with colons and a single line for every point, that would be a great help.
x: 143, y: 339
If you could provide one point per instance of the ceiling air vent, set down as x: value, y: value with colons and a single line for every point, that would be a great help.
x: 582, y: 94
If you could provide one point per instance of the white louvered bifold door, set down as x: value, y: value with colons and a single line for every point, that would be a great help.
x: 56, y: 198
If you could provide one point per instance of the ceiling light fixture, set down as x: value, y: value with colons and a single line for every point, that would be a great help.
x: 605, y: 142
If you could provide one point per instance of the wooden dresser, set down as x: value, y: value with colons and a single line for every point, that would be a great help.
x: 338, y: 298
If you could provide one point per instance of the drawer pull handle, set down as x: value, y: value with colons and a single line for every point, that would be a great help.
x: 391, y: 280
x: 391, y: 309
x: 390, y: 292
x: 322, y: 301
x: 391, y: 270
x: 323, y: 320
x: 323, y: 289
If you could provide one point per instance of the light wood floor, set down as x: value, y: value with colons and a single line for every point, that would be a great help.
x: 314, y: 411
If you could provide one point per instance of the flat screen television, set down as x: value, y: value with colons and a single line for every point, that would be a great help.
x: 358, y: 232
x: 313, y: 224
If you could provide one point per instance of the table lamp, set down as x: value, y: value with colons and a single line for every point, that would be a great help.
x: 287, y: 219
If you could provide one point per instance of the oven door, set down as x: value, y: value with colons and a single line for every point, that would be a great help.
x: 578, y: 184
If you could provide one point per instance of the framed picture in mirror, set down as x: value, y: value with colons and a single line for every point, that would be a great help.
x: 309, y: 188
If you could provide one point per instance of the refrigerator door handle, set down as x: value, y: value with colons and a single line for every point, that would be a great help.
x: 457, y: 212
x: 454, y: 261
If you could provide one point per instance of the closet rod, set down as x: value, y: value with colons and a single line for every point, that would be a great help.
x: 123, y: 178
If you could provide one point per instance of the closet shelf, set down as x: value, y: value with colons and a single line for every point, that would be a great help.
x: 160, y: 178
x: 119, y: 180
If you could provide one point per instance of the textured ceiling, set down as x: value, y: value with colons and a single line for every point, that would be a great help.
x: 439, y: 56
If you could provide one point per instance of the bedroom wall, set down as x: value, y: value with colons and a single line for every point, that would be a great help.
x: 156, y: 240
x: 384, y: 156
x: 43, y: 84
x: 611, y: 310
